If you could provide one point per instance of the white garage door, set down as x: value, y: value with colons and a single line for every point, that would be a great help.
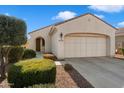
x: 84, y: 46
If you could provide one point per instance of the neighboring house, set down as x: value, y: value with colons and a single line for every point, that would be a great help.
x: 119, y: 38
x: 82, y: 36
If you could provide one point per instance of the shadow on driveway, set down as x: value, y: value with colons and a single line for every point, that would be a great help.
x: 79, y: 80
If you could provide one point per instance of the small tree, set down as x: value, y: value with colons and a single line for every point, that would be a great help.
x: 12, y: 33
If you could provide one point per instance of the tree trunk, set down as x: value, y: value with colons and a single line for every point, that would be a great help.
x: 0, y: 59
x: 4, y: 52
x: 2, y: 65
x: 3, y: 73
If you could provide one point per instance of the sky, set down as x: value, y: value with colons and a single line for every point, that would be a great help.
x: 39, y: 16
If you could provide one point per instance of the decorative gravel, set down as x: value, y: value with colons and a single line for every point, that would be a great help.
x: 4, y: 83
x: 70, y: 79
x: 63, y: 79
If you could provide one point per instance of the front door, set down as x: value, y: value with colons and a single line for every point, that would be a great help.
x: 38, y: 45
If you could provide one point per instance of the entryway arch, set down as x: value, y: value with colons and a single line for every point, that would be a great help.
x: 40, y: 44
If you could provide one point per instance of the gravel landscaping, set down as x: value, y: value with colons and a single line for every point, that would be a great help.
x: 64, y: 79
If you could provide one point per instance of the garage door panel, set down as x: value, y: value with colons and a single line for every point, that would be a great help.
x: 88, y: 47
x: 101, y: 47
x: 77, y: 47
x: 82, y: 47
x: 91, y: 46
x: 85, y: 46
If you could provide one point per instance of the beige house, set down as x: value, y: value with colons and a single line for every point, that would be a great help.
x: 82, y: 36
x: 119, y: 38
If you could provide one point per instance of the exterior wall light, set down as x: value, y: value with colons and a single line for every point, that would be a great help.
x: 61, y: 35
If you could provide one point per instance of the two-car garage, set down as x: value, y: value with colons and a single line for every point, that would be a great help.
x: 85, y: 45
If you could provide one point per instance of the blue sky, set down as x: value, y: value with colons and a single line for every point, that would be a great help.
x: 40, y: 16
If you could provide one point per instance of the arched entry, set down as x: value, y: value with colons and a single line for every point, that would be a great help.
x: 40, y: 44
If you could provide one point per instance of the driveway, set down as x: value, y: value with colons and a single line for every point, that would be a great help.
x: 101, y: 72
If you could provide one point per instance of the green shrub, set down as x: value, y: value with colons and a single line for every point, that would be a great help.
x: 42, y: 86
x: 29, y: 72
x: 123, y: 51
x: 15, y: 54
x: 68, y: 67
x: 49, y: 56
x: 29, y: 53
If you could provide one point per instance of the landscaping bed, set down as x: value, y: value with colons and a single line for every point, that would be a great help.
x: 118, y: 56
x: 49, y: 56
x: 4, y: 83
x: 64, y: 79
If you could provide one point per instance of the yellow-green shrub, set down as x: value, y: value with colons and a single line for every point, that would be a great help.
x: 34, y: 71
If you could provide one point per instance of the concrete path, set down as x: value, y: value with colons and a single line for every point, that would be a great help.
x: 101, y: 72
x: 39, y: 55
x: 58, y: 63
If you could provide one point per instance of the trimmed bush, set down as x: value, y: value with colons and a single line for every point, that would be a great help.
x: 29, y: 72
x: 123, y: 51
x: 29, y: 53
x: 49, y: 56
x: 15, y: 54
x: 119, y: 51
x: 68, y: 67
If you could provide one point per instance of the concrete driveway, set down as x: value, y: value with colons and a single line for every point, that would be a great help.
x: 101, y: 72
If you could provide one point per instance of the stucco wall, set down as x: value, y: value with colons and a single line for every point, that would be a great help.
x: 54, y: 43
x: 85, y: 24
